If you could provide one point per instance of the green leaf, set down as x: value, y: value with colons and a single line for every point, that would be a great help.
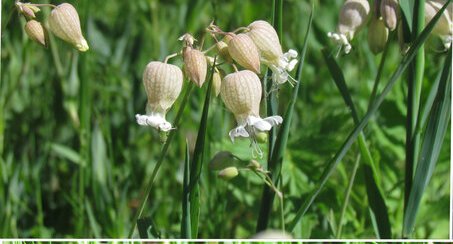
x: 66, y: 152
x: 432, y: 142
x: 185, y: 223
x: 197, y: 162
x: 331, y: 165
x: 275, y: 164
x: 375, y: 196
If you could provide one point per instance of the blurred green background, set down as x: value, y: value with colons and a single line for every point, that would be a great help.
x: 74, y: 163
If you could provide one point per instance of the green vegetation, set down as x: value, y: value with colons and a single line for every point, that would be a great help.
x: 74, y: 162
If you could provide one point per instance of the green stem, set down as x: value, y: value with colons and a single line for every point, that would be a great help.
x: 415, y: 81
x: 160, y: 160
x: 346, y: 198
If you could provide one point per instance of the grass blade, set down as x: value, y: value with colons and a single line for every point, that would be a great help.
x: 331, y: 165
x: 275, y: 164
x: 432, y: 142
x: 185, y: 223
x: 197, y: 162
x: 163, y: 154
x: 415, y: 81
x: 375, y: 196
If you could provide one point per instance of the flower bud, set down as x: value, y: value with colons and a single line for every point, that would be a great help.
x: 163, y: 84
x: 28, y: 9
x: 222, y: 46
x: 241, y: 93
x: 353, y: 16
x: 223, y: 159
x: 377, y: 35
x: 64, y: 23
x: 195, y: 65
x: 266, y: 40
x: 254, y: 164
x: 216, y: 82
x: 389, y: 12
x: 229, y: 173
x: 36, y: 32
x: 444, y: 26
x: 244, y: 52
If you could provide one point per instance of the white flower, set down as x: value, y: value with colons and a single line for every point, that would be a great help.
x: 163, y: 84
x: 282, y: 66
x: 241, y: 93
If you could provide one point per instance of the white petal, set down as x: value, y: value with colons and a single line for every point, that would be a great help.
x: 156, y: 121
x: 274, y: 120
x: 292, y: 53
x: 262, y: 125
x: 238, y: 132
x: 292, y: 64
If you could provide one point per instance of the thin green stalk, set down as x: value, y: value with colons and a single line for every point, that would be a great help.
x: 163, y: 154
x: 197, y: 162
x: 346, y: 198
x: 276, y: 161
x: 331, y: 165
x: 415, y: 81
x: 185, y: 223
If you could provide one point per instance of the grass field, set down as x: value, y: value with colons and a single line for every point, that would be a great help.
x: 74, y: 162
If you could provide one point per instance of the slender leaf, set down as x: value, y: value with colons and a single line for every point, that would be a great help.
x: 276, y: 162
x: 432, y: 143
x: 375, y: 196
x: 331, y: 165
x: 185, y: 223
x: 197, y: 162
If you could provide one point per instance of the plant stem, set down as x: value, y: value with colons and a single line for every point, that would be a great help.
x: 160, y: 160
x: 415, y: 80
x: 346, y: 198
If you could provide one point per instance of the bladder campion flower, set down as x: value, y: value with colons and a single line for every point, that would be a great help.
x: 241, y: 93
x: 353, y: 16
x: 389, y: 13
x: 163, y: 84
x: 36, y: 32
x: 64, y: 22
x: 244, y: 52
x: 266, y: 40
x: 444, y: 27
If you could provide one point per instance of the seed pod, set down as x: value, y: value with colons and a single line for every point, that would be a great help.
x: 444, y: 26
x: 64, y: 23
x: 353, y: 16
x: 36, y: 32
x: 228, y: 173
x: 266, y: 40
x: 241, y: 93
x: 377, y: 35
x: 216, y: 82
x: 163, y: 84
x: 244, y: 52
x: 223, y: 50
x: 195, y: 65
x: 389, y: 12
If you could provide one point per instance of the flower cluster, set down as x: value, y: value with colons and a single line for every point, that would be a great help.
x: 249, y: 47
x: 63, y: 22
x: 384, y: 17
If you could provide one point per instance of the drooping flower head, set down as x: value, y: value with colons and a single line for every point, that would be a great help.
x: 36, y: 32
x: 163, y: 84
x: 389, y: 12
x: 64, y: 22
x: 241, y: 93
x: 244, y: 52
x: 266, y: 40
x: 444, y: 27
x: 353, y: 16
